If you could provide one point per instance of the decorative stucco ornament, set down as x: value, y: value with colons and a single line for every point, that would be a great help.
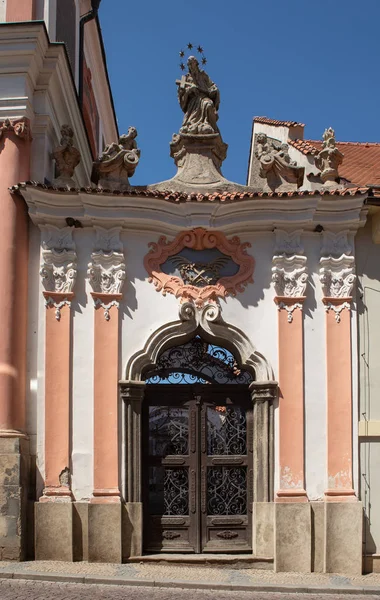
x: 117, y: 163
x: 201, y: 280
x: 58, y: 268
x: 198, y: 149
x: 329, y: 159
x: 336, y: 243
x: 67, y: 158
x: 288, y: 242
x: 276, y: 166
x: 289, y: 275
x: 337, y: 276
x: 19, y: 127
x: 106, y: 272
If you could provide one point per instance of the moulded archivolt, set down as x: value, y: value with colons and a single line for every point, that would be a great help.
x: 337, y: 276
x: 199, y: 239
x: 106, y: 272
x: 289, y: 275
x: 209, y: 322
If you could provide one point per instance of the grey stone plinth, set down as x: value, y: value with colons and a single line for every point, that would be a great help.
x: 132, y: 529
x: 292, y: 537
x: 14, y: 479
x: 54, y: 531
x: 317, y: 536
x: 343, y: 537
x: 80, y: 531
x: 104, y: 533
x: 263, y: 529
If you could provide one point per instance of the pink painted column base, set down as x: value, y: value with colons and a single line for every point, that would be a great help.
x: 291, y: 407
x: 339, y: 401
x: 106, y: 371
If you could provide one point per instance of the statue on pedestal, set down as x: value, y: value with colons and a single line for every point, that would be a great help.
x: 117, y: 163
x: 67, y: 158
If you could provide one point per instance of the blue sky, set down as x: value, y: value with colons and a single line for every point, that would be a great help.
x: 314, y: 62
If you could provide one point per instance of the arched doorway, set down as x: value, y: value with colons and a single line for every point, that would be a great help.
x: 197, y: 433
x: 196, y: 378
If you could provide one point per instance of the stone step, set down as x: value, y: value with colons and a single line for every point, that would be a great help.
x: 233, y: 561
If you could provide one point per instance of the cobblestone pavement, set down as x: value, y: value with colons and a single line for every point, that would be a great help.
x: 36, y: 590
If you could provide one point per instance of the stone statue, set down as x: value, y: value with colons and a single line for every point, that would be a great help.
x: 117, y: 163
x: 199, y: 99
x: 276, y: 166
x: 67, y: 157
x: 329, y: 159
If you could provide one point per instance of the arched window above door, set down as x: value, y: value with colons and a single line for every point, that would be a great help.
x: 197, y: 361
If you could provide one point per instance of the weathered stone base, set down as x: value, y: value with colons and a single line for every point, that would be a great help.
x: 14, y: 479
x: 321, y: 537
x: 104, y: 533
x: 54, y: 531
x: 132, y: 517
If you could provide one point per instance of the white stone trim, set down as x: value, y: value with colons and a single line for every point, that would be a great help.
x: 106, y: 272
x: 289, y: 275
x: 337, y: 309
x: 337, y: 276
x: 289, y: 309
x: 57, y: 305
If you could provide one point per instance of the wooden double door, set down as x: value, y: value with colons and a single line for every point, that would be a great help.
x: 197, y: 468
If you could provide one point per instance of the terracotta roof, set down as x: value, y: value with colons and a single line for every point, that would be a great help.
x: 361, y: 163
x: 194, y: 197
x: 276, y: 123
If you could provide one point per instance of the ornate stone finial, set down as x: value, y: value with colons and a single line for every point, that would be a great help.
x: 19, y: 127
x: 276, y: 166
x: 67, y: 158
x: 117, y: 163
x: 329, y: 159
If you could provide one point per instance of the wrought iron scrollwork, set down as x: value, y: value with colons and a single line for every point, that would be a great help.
x: 197, y: 361
x: 226, y: 491
x: 226, y: 431
x: 176, y: 492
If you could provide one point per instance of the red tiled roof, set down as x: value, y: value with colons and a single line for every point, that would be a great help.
x: 193, y: 197
x: 361, y: 163
x: 276, y: 123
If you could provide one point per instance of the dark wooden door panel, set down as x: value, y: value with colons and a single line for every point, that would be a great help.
x: 198, y: 469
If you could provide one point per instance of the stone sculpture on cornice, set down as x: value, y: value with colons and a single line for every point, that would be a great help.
x: 117, y: 163
x: 67, y: 158
x: 329, y: 159
x: 276, y: 166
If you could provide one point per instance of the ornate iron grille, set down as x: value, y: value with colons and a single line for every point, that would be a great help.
x: 226, y: 431
x: 197, y: 361
x: 168, y: 430
x: 226, y: 490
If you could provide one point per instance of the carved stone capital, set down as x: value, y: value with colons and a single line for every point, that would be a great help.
x: 57, y: 238
x: 336, y: 243
x: 20, y: 127
x: 106, y: 272
x: 337, y: 276
x: 58, y: 270
x: 58, y: 301
x: 289, y: 275
x: 106, y: 301
x: 284, y: 304
x: 132, y: 391
x: 336, y: 307
x: 264, y: 392
x: 107, y: 240
x: 288, y: 242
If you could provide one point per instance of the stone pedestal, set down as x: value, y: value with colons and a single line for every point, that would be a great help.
x: 14, y: 479
x: 343, y: 537
x: 292, y: 537
x: 263, y: 529
x: 104, y: 533
x: 132, y: 529
x: 54, y: 531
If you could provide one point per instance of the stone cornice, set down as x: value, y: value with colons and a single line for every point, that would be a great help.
x: 132, y: 212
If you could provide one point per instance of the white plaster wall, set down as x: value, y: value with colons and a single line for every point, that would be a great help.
x: 368, y: 311
x: 83, y: 372
x: 315, y: 374
x: 3, y: 8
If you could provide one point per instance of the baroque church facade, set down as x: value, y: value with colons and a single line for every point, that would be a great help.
x: 189, y: 366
